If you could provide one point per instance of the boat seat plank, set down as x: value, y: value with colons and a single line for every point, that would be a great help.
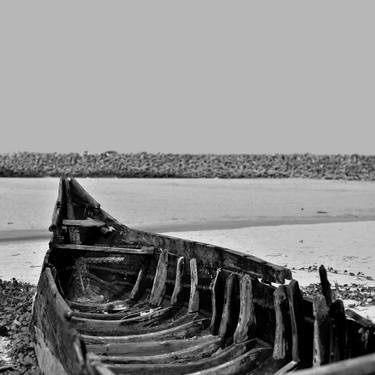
x: 181, y: 331
x: 85, y: 223
x: 146, y: 250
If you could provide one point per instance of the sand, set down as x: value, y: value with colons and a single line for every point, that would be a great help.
x: 297, y: 223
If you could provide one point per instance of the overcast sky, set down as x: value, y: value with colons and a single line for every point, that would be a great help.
x: 189, y: 77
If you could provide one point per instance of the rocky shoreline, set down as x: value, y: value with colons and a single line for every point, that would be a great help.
x: 147, y: 165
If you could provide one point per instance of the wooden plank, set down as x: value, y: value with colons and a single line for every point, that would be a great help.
x: 226, y: 318
x: 214, y: 257
x: 199, y: 350
x: 176, y: 295
x: 57, y: 209
x: 247, y: 325
x: 282, y: 344
x: 221, y: 358
x: 321, y: 344
x: 82, y: 194
x: 296, y: 317
x: 152, y: 321
x: 149, y: 348
x: 138, y: 287
x: 86, y: 223
x: 217, y: 300
x: 160, y: 278
x: 326, y: 286
x: 366, y: 323
x: 96, y: 248
x: 338, y: 344
x: 243, y: 364
x: 363, y: 365
x: 183, y: 331
x: 194, y: 292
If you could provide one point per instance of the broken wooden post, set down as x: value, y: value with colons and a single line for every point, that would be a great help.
x: 217, y: 299
x: 326, y: 286
x: 158, y: 287
x: 321, y: 342
x: 176, y: 295
x: 194, y: 292
x: 282, y: 343
x: 246, y: 327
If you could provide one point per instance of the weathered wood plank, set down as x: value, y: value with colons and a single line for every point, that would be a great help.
x: 160, y: 278
x: 227, y: 315
x: 243, y: 364
x: 149, y: 348
x: 56, y: 215
x: 338, y: 344
x: 282, y: 344
x: 199, y: 350
x: 194, y: 292
x: 138, y: 287
x: 110, y: 249
x: 296, y: 317
x: 322, y: 322
x: 82, y: 194
x: 152, y: 321
x: 217, y: 300
x: 364, y: 365
x: 247, y: 325
x: 227, y: 354
x: 326, y: 286
x: 176, y: 295
x: 86, y: 223
x: 214, y: 257
x: 186, y: 330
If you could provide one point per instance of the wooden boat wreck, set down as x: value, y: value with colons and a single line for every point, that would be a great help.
x: 115, y: 300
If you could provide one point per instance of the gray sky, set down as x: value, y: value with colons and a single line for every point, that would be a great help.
x: 193, y: 76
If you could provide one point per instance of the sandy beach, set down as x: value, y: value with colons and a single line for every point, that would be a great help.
x: 297, y: 223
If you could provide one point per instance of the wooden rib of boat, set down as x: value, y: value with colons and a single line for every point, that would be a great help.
x: 115, y: 300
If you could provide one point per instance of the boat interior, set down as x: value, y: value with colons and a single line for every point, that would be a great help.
x: 143, y: 303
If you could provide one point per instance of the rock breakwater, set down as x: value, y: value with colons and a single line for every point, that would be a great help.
x: 133, y: 165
